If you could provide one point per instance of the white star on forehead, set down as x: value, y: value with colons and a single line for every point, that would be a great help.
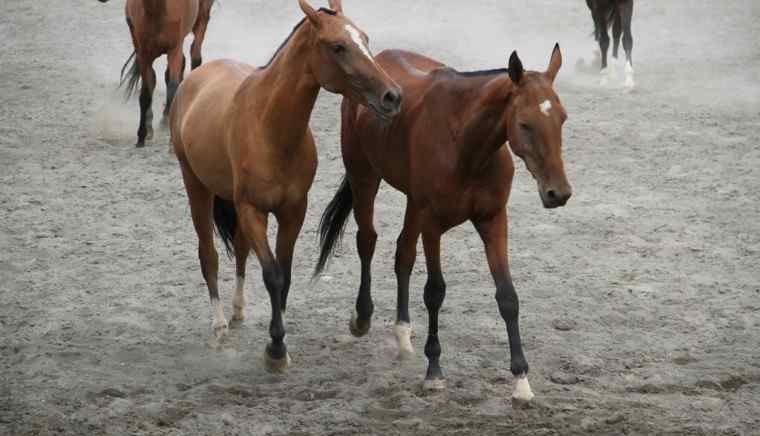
x: 357, y: 38
x: 545, y: 107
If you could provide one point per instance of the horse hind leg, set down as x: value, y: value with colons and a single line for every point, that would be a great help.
x: 199, y: 34
x: 201, y: 208
x: 148, y: 75
x: 239, y: 298
x: 626, y: 15
x: 173, y: 77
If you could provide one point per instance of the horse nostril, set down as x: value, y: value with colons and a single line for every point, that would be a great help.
x: 552, y: 194
x: 391, y: 99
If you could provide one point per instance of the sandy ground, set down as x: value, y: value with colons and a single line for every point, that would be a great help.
x: 640, y: 299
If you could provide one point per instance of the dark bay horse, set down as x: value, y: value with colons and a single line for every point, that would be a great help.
x: 618, y: 15
x: 159, y: 27
x: 446, y: 151
x: 243, y: 142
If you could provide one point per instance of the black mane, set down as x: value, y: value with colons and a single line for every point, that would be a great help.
x: 483, y: 72
x: 287, y: 40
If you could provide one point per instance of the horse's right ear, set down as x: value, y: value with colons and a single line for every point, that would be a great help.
x: 310, y: 12
x: 516, y: 69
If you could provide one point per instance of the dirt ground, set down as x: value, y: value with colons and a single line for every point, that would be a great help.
x: 640, y: 299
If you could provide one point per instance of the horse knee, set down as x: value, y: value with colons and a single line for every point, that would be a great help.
x: 274, y: 279
x: 506, y: 298
x: 435, y: 292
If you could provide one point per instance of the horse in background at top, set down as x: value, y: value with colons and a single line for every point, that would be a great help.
x: 618, y: 15
x: 159, y: 27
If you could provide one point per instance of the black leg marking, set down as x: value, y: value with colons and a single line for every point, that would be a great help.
x: 435, y: 292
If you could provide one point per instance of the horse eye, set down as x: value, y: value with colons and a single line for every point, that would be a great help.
x: 526, y: 128
x: 338, y: 49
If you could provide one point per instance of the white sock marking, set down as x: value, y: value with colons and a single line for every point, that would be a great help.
x: 545, y: 107
x: 629, y: 82
x: 220, y: 323
x: 357, y: 38
x: 403, y: 332
x: 239, y: 300
x: 522, y: 389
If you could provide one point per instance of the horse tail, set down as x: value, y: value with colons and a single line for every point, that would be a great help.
x: 132, y: 77
x: 225, y: 219
x: 333, y: 223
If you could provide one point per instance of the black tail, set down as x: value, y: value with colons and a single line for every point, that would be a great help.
x: 225, y: 218
x: 333, y: 222
x: 132, y: 79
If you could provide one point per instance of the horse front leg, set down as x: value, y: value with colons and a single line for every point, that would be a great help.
x: 435, y: 292
x: 406, y: 253
x: 493, y: 232
x: 253, y: 224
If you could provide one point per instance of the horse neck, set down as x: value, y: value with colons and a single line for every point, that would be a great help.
x: 291, y: 90
x: 484, y: 128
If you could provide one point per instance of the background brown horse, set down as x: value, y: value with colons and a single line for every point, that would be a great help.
x: 445, y: 151
x: 159, y: 27
x: 242, y: 139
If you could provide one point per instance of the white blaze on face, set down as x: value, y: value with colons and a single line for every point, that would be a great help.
x: 357, y: 38
x: 545, y: 107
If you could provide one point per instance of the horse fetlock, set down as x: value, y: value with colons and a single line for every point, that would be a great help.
x: 276, y: 358
x: 434, y: 379
x: 629, y: 82
x: 219, y: 325
x: 359, y: 327
x: 403, y: 332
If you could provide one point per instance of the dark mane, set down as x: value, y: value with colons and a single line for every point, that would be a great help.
x: 483, y: 72
x: 287, y: 40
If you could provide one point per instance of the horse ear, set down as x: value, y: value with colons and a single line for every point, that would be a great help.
x: 516, y: 69
x: 311, y: 14
x: 336, y: 5
x: 555, y: 63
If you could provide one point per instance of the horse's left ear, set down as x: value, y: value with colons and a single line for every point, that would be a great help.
x: 336, y: 5
x: 555, y: 63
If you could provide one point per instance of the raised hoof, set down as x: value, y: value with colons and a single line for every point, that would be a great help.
x: 149, y: 135
x: 276, y: 366
x: 434, y: 384
x: 521, y: 392
x: 357, y: 326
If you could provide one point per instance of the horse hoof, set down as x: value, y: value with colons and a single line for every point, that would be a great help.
x: 140, y: 143
x: 403, y: 332
x: 277, y: 366
x: 238, y: 313
x: 434, y: 384
x: 358, y: 327
x: 221, y: 329
x: 149, y: 135
x: 521, y: 391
